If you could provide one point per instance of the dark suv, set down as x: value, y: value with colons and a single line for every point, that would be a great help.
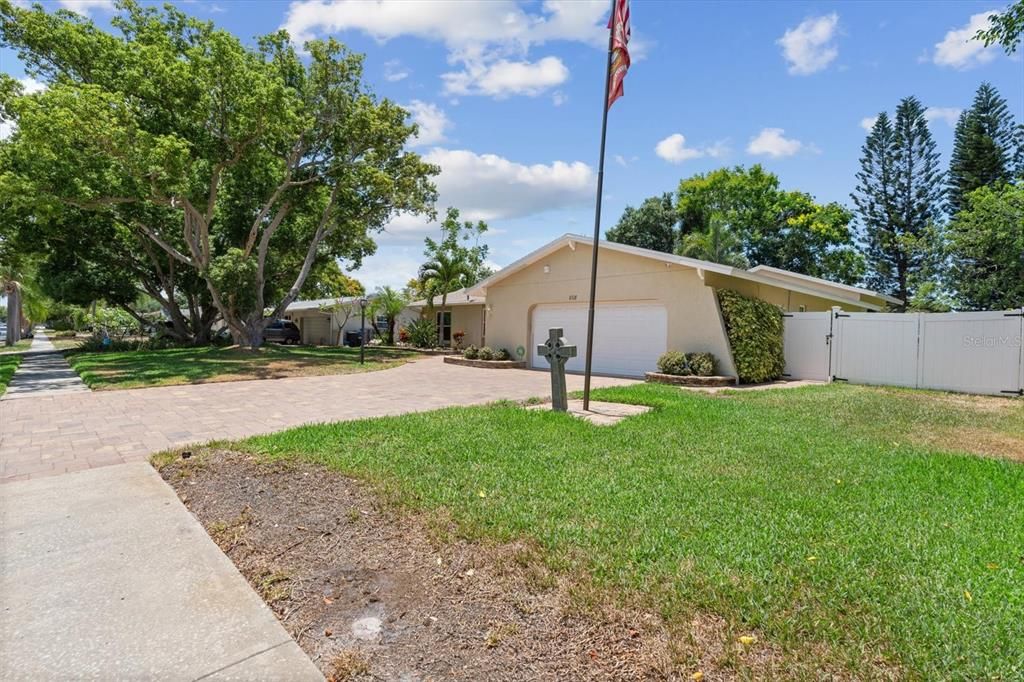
x: 282, y: 331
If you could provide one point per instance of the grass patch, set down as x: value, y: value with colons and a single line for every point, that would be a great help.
x: 8, y: 365
x: 827, y: 518
x: 17, y: 347
x: 171, y: 366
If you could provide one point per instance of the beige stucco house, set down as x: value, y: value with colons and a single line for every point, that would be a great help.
x: 648, y: 302
x: 324, y: 321
x: 462, y: 312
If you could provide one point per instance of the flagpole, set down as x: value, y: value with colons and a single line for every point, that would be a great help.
x: 597, y: 220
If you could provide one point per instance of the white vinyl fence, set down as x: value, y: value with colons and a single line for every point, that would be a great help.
x: 967, y: 352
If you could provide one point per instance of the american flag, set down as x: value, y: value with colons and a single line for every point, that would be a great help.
x: 619, y: 25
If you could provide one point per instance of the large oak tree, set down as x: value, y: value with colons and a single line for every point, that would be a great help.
x: 268, y: 160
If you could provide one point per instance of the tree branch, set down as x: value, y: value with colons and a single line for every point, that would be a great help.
x: 321, y: 232
x: 164, y: 245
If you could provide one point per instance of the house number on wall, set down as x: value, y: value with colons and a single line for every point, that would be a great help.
x: 572, y: 297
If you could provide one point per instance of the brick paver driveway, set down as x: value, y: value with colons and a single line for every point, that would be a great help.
x: 55, y: 434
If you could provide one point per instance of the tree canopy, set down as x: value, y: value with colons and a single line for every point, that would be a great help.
x: 651, y: 226
x: 986, y: 249
x: 899, y: 200
x: 246, y: 165
x: 985, y: 150
x: 770, y: 226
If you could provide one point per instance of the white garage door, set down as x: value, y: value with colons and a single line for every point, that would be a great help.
x: 316, y: 330
x: 628, y: 338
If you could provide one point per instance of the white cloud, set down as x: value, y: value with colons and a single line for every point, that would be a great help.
x: 84, y: 6
x: 490, y: 187
x: 31, y: 86
x: 559, y: 98
x: 391, y: 265
x: 6, y: 129
x: 810, y: 47
x: 947, y: 114
x: 674, y: 150
x: 456, y: 23
x: 394, y: 71
x: 771, y: 142
x: 431, y: 120
x: 489, y: 41
x: 959, y: 49
x: 868, y: 122
x: 502, y: 78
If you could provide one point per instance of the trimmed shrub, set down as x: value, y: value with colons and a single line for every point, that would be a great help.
x: 486, y: 353
x: 471, y: 353
x: 64, y: 334
x: 702, y: 364
x: 674, y: 362
x: 503, y: 354
x: 754, y: 328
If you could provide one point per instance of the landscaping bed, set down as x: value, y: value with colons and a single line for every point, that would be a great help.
x: 490, y: 364
x: 689, y: 380
x: 335, y: 562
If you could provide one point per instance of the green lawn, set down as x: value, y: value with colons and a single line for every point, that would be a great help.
x: 140, y: 368
x: 20, y: 345
x: 846, y: 525
x: 7, y: 366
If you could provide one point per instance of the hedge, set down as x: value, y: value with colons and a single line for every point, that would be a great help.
x: 754, y: 328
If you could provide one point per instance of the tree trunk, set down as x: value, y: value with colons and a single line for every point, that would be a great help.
x: 13, y: 314
x: 250, y: 333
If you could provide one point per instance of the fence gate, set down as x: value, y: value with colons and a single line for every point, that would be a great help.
x: 970, y: 352
x: 806, y: 342
x: 876, y: 348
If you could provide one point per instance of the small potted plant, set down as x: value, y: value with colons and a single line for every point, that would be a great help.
x: 457, y: 338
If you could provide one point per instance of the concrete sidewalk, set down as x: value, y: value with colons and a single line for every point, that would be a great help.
x: 43, y: 372
x: 104, y: 574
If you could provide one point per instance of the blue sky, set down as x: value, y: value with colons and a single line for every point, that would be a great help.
x: 509, y: 96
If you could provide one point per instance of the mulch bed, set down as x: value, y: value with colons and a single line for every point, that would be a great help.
x: 373, y: 592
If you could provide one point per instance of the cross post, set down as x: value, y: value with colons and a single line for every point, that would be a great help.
x: 557, y: 351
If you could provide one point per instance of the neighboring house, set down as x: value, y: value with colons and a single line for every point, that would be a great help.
x: 648, y: 302
x: 462, y: 312
x: 322, y: 322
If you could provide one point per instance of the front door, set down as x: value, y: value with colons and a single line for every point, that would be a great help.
x: 444, y: 327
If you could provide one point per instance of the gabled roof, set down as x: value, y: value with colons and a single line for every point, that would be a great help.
x: 769, y: 279
x: 457, y: 297
x: 817, y: 281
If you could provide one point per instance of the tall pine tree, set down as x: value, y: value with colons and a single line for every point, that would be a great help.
x: 899, y: 199
x: 985, y: 150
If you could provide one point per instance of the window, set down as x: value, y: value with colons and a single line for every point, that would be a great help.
x: 381, y: 323
x: 444, y: 327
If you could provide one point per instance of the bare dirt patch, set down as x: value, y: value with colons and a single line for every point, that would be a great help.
x: 370, y: 591
x: 976, y: 441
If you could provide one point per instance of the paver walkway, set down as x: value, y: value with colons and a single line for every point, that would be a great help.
x: 106, y: 575
x: 64, y: 432
x: 43, y: 371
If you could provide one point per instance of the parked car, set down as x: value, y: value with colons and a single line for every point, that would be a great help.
x: 282, y: 331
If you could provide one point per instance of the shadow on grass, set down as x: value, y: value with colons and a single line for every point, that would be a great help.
x: 208, y: 364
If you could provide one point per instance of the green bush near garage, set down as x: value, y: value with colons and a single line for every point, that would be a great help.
x: 754, y: 328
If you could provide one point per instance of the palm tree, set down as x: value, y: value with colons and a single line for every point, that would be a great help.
x: 390, y: 303
x: 718, y: 244
x: 443, y: 274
